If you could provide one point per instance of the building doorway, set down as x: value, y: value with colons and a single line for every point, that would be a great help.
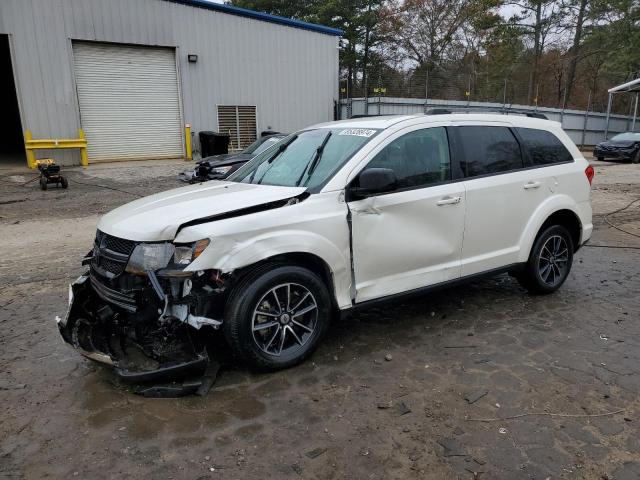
x: 11, y: 138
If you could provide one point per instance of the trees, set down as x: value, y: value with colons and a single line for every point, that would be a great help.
x: 492, y: 50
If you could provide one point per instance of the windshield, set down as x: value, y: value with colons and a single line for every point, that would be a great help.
x: 306, y: 159
x: 627, y: 136
x: 268, y: 143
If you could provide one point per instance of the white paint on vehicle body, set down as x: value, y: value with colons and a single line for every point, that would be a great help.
x: 400, y: 241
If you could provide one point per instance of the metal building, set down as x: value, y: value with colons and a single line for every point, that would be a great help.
x: 133, y: 73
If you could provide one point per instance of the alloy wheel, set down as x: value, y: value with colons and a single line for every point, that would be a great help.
x: 553, y: 261
x: 284, y: 319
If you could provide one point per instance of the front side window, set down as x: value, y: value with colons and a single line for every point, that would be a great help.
x: 544, y: 147
x: 488, y: 150
x: 419, y: 158
x: 305, y: 159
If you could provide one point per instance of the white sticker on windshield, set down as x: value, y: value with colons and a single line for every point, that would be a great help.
x: 358, y: 132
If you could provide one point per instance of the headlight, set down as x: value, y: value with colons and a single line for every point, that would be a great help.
x: 221, y: 170
x: 185, y: 254
x: 150, y: 256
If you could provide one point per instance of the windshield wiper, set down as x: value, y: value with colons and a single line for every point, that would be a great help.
x: 315, y: 160
x: 275, y: 155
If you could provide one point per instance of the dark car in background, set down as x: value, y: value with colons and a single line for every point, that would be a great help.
x: 219, y: 167
x: 624, y: 146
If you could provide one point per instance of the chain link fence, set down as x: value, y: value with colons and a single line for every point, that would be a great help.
x: 581, y: 109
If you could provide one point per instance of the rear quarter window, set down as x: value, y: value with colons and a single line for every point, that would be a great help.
x: 543, y: 147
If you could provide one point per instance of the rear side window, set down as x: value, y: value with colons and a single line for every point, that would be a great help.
x: 488, y: 150
x: 543, y: 147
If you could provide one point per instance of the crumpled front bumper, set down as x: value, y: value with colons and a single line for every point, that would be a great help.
x: 139, y: 348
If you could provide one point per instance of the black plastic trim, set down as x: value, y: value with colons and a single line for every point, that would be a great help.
x: 431, y: 288
x: 113, y: 297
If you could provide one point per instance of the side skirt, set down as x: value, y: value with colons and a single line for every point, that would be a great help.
x: 376, y: 302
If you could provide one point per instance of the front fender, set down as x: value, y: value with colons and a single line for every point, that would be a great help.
x: 540, y: 215
x: 242, y: 253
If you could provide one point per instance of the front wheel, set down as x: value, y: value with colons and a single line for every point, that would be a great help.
x: 549, y: 262
x: 276, y: 316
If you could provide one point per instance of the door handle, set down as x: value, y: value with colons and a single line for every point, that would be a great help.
x: 448, y: 201
x: 530, y: 185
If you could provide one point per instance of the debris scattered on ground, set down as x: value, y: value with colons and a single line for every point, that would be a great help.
x: 17, y: 386
x: 403, y: 409
x: 241, y: 457
x: 473, y: 397
x: 452, y: 448
x: 476, y: 475
x: 316, y: 452
x: 209, y: 378
x: 296, y: 468
x: 502, y: 430
x: 388, y: 357
x: 384, y: 405
x: 547, y: 414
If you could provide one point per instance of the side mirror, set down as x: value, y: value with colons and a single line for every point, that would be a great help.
x: 374, y: 181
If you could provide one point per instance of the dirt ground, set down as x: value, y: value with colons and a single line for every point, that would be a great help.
x: 421, y: 389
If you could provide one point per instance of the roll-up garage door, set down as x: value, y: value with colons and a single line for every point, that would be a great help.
x: 129, y: 101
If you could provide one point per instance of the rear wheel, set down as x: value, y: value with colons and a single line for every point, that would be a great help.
x: 277, y: 316
x: 63, y: 182
x: 636, y: 157
x: 43, y: 183
x: 549, y: 262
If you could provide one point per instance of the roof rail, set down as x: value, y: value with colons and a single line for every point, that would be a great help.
x: 504, y: 111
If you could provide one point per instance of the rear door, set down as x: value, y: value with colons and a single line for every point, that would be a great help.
x: 411, y: 237
x: 501, y: 195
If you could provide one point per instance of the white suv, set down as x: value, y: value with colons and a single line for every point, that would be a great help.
x: 333, y: 217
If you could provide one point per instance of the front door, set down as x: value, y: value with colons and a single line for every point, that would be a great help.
x: 410, y: 237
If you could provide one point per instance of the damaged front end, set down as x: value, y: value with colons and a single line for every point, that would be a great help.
x: 145, y: 322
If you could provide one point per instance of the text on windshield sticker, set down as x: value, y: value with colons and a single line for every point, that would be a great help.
x: 358, y: 132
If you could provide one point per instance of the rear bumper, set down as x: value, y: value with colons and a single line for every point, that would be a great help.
x: 138, y: 348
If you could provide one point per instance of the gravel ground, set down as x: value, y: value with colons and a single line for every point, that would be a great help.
x: 422, y: 389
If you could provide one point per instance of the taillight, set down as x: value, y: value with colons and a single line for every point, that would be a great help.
x: 590, y: 173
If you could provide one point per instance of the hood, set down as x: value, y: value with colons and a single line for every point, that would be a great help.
x: 228, y: 159
x: 158, y: 217
x: 617, y: 144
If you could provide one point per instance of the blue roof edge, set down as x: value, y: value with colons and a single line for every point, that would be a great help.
x: 265, y: 17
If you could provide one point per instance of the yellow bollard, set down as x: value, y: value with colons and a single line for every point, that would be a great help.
x: 84, y: 158
x: 31, y: 158
x: 187, y: 142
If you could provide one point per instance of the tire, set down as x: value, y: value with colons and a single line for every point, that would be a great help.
x: 548, y: 265
x: 636, y: 157
x: 43, y: 183
x: 264, y: 340
x: 64, y: 182
x: 601, y: 159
